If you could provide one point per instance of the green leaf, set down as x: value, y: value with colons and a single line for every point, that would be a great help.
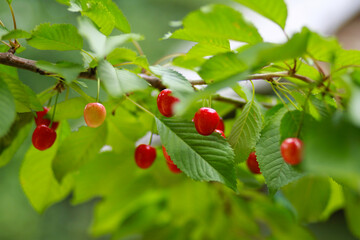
x: 173, y: 80
x: 221, y: 67
x: 352, y: 210
x: 195, y: 57
x: 347, y: 58
x: 11, y: 142
x: 37, y: 178
x: 336, y: 200
x: 321, y: 48
x: 294, y: 123
x: 9, y: 1
x: 204, y: 158
x: 101, y: 176
x: 276, y: 171
x: 310, y: 196
x: 7, y: 108
x: 15, y: 34
x: 332, y: 148
x: 69, y: 71
x: 61, y: 37
x: 120, y: 55
x: 274, y: 10
x: 215, y: 24
x: 246, y: 131
x: 105, y: 14
x: 99, y: 43
x: 101, y: 16
x: 25, y: 98
x: 118, y: 82
x: 69, y: 109
x: 77, y: 149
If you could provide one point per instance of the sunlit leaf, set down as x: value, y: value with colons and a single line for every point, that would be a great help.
x: 309, y: 196
x: 61, y: 37
x: 214, y: 24
x: 77, y: 149
x: 37, y: 178
x: 246, y: 131
x: 274, y: 10
x: 203, y: 158
x: 7, y: 108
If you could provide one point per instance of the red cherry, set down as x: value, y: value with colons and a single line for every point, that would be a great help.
x: 206, y: 120
x: 165, y: 102
x: 220, y: 132
x: 172, y: 166
x: 166, y: 155
x: 291, y: 150
x: 43, y: 137
x: 221, y: 125
x: 253, y: 164
x: 145, y: 155
x: 40, y: 120
x: 94, y: 114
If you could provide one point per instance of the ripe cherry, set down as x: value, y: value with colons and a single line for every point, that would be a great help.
x: 43, y: 137
x: 94, y: 114
x: 206, y: 120
x: 221, y: 125
x: 253, y: 164
x: 145, y: 155
x: 220, y: 132
x: 165, y: 102
x: 172, y: 166
x: 291, y: 150
x: 41, y: 120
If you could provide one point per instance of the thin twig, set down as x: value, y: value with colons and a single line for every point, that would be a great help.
x: 168, y: 57
x: 13, y: 15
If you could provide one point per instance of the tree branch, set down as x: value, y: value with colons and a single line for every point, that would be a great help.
x: 10, y: 59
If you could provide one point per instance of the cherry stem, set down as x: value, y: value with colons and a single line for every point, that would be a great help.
x: 6, y: 44
x: 277, y: 94
x: 82, y: 50
x: 53, y: 115
x: 253, y: 89
x: 49, y: 102
x: 138, y: 47
x: 286, y: 96
x: 13, y: 15
x: 139, y: 106
x: 152, y: 132
x: 168, y: 57
x: 98, y: 90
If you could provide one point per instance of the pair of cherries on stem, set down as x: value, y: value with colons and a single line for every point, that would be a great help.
x: 145, y: 156
x: 44, y: 135
x: 206, y: 119
x: 291, y: 151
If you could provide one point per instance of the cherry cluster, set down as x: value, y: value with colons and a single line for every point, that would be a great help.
x: 206, y: 122
x: 44, y: 134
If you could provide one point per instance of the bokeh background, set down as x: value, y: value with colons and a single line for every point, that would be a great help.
x: 18, y: 220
